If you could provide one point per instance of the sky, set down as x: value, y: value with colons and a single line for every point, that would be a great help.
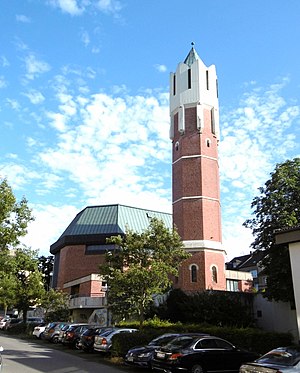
x: 84, y: 102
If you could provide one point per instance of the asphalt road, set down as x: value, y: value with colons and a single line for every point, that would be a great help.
x: 22, y: 356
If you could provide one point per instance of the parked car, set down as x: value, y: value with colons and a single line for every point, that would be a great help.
x: 281, y: 359
x: 141, y: 356
x: 198, y: 354
x: 87, y: 338
x: 4, y: 322
x: 1, y: 350
x: 52, y: 330
x: 13, y: 322
x: 72, y: 334
x: 103, y: 342
x: 35, y: 320
x: 38, y: 331
x: 62, y: 331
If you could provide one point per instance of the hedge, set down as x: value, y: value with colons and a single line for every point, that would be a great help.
x: 246, y: 338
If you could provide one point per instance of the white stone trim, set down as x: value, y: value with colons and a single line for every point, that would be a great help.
x: 195, y: 156
x: 81, y: 280
x: 195, y: 197
x: 200, y: 245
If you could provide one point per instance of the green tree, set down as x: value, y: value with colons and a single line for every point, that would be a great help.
x: 29, y: 280
x: 14, y: 217
x: 7, y: 281
x: 45, y: 266
x: 55, y: 301
x: 140, y: 267
x: 277, y: 207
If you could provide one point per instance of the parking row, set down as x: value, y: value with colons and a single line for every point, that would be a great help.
x: 173, y: 352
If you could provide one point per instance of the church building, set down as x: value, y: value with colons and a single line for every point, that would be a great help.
x: 194, y: 131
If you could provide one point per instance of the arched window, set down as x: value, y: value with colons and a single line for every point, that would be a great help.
x: 194, y: 271
x: 214, y: 274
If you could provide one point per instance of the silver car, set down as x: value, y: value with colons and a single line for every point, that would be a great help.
x: 103, y: 342
x: 281, y: 359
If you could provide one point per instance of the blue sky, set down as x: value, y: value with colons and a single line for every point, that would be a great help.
x: 84, y: 117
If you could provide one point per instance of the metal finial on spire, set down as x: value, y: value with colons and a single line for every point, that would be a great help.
x: 192, y: 56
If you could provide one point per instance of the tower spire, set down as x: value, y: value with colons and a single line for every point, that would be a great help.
x: 194, y: 131
x: 192, y: 56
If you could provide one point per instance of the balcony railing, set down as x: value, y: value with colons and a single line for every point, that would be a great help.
x: 87, y: 301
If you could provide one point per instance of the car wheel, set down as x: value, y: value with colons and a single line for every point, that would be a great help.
x: 197, y: 369
x: 55, y: 339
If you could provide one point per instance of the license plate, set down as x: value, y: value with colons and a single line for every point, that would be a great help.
x: 160, y: 355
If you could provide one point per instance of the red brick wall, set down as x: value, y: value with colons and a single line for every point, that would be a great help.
x: 217, y: 259
x: 75, y: 264
x: 204, y: 260
x: 200, y: 218
x: 184, y: 280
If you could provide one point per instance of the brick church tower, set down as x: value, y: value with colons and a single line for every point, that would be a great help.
x: 194, y: 131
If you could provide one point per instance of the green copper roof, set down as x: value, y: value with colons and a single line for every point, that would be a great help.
x: 95, y: 223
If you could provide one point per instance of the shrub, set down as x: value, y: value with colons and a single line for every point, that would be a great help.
x: 248, y: 338
x: 21, y: 329
x: 212, y: 307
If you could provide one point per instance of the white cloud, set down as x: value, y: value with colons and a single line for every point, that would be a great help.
x: 254, y: 139
x: 35, y: 67
x: 85, y: 38
x: 116, y: 149
x: 14, y: 104
x: 78, y: 7
x: 4, y: 61
x: 35, y: 96
x: 17, y: 174
x: 112, y: 146
x: 3, y: 82
x: 72, y: 7
x: 161, y: 68
x: 58, y: 121
x: 109, y: 6
x: 50, y: 222
x: 22, y: 18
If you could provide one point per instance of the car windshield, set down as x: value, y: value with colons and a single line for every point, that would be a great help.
x: 180, y: 342
x: 105, y: 334
x: 72, y: 328
x: 284, y: 357
x: 89, y: 331
x: 161, y: 341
